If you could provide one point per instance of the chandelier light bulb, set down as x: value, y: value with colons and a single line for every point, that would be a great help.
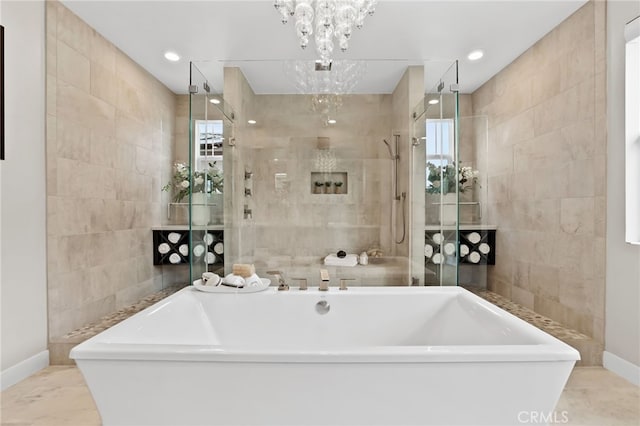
x: 330, y: 19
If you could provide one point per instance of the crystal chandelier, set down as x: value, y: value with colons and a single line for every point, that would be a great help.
x: 325, y: 20
x: 326, y: 87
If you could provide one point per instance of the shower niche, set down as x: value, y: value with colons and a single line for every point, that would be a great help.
x: 329, y: 183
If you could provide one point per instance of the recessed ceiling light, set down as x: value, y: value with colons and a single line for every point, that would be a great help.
x: 171, y: 56
x: 251, y: 121
x: 215, y: 101
x: 475, y: 55
x: 433, y: 101
x: 331, y: 121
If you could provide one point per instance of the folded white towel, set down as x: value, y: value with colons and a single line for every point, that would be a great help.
x: 348, y: 260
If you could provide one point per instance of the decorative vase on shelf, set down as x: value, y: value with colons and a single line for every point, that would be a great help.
x: 449, y: 209
x: 200, y: 212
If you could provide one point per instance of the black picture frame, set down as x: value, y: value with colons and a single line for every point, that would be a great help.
x: 1, y: 92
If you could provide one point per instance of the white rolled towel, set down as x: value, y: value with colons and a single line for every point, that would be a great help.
x: 348, y: 260
x: 428, y: 251
x: 474, y: 237
x: 449, y: 248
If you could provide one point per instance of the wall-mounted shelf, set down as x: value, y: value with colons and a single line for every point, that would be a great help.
x: 476, y: 246
x: 171, y: 246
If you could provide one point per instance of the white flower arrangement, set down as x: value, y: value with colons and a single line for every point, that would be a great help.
x: 443, y: 179
x: 210, y: 180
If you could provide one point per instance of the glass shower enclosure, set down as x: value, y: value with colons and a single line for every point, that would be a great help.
x: 454, y: 243
x: 277, y: 185
x: 437, y: 189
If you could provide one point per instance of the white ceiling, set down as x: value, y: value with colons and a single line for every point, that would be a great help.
x: 249, y: 34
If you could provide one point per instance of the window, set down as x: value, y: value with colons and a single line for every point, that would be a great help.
x: 208, y: 143
x: 440, y: 144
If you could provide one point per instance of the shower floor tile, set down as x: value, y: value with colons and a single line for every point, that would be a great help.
x: 590, y: 350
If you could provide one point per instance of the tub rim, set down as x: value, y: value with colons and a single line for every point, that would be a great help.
x: 549, y: 349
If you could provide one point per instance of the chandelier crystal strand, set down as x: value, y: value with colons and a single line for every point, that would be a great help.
x: 326, y: 20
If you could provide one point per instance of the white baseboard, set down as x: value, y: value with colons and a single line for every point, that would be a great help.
x: 621, y: 367
x: 24, y: 369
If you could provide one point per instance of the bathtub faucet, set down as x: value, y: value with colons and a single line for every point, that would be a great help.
x: 282, y: 284
x: 324, y: 280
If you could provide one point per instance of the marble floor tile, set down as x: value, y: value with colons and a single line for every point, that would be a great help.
x: 55, y: 396
x: 594, y: 396
x: 58, y: 396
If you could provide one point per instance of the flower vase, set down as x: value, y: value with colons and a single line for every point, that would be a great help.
x: 449, y: 209
x: 216, y: 208
x: 200, y: 213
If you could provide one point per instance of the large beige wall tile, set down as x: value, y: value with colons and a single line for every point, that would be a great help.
x: 103, y: 52
x: 104, y: 83
x: 72, y: 67
x: 108, y: 147
x: 73, y: 31
x: 549, y: 107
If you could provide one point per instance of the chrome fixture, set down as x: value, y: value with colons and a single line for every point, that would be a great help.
x: 343, y: 283
x: 303, y: 283
x: 322, y: 307
x: 324, y: 280
x: 327, y: 19
x: 283, y: 286
x: 398, y: 197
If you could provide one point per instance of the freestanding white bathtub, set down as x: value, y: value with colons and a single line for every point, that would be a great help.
x: 380, y: 356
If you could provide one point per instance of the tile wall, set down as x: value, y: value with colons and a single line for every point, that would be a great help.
x: 547, y: 161
x: 285, y: 141
x: 110, y: 138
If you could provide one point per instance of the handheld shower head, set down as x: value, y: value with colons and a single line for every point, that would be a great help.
x: 391, y: 154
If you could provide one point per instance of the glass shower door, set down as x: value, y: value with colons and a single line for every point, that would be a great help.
x: 436, y: 184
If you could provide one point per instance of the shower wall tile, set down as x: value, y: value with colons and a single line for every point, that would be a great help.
x: 292, y: 223
x: 547, y: 180
x: 109, y: 142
